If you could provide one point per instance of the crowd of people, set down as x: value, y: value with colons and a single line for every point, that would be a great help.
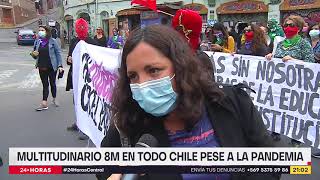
x: 166, y: 86
x: 293, y: 40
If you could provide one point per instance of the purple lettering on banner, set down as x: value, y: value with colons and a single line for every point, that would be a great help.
x: 103, y: 81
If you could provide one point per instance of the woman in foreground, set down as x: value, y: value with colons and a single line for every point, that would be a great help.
x: 162, y: 90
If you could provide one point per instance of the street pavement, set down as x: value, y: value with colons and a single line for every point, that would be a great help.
x: 22, y: 126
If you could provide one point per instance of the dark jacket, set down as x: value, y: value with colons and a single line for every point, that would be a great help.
x: 73, y: 44
x: 262, y: 51
x: 205, y: 61
x: 236, y: 122
x: 101, y: 42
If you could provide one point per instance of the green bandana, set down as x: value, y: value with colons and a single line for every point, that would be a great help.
x: 291, y: 42
x: 219, y: 41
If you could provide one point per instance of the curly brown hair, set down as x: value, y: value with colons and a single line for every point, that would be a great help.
x: 194, y: 85
x: 259, y: 41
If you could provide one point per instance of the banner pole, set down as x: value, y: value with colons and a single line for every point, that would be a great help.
x: 159, y: 11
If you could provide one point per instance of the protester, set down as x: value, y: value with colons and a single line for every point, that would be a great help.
x: 305, y: 30
x: 116, y: 41
x: 255, y: 42
x: 183, y: 103
x: 206, y: 41
x: 82, y: 28
x: 314, y: 35
x: 240, y: 29
x: 275, y: 33
x: 48, y: 61
x: 293, y: 47
x: 100, y: 38
x: 269, y: 41
x: 274, y: 29
x: 189, y: 24
x: 221, y: 41
x: 233, y: 33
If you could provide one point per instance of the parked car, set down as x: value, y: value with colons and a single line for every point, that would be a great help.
x: 25, y: 36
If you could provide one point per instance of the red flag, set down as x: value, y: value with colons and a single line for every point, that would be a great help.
x: 151, y: 4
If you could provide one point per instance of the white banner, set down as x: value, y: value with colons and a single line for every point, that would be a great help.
x: 94, y: 75
x: 160, y: 156
x: 287, y: 94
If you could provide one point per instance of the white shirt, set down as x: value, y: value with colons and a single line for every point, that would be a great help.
x: 276, y: 41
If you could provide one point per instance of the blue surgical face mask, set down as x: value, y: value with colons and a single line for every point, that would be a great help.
x: 42, y: 34
x: 314, y: 33
x: 156, y: 97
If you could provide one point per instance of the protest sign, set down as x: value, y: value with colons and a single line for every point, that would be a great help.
x: 94, y: 76
x: 287, y: 94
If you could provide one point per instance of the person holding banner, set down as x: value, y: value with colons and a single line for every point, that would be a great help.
x: 189, y: 24
x: 81, y: 28
x: 255, y: 42
x: 163, y: 91
x: 293, y: 47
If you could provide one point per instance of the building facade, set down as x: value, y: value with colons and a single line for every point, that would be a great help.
x: 6, y: 13
x: 23, y: 10
x: 308, y: 9
x: 110, y: 14
x: 14, y: 12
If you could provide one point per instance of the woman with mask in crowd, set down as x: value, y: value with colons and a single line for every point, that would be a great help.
x: 293, y: 47
x: 162, y: 91
x: 82, y: 33
x: 255, y: 42
x: 116, y: 41
x: 221, y: 41
x: 100, y: 38
x: 48, y: 61
x: 314, y: 34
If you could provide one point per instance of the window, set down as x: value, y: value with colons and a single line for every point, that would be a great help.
x: 211, y: 3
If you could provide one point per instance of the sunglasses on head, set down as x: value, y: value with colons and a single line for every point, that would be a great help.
x: 289, y: 24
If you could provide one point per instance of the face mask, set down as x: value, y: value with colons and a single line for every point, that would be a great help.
x: 219, y: 38
x: 291, y: 31
x: 305, y: 29
x: 156, y: 97
x: 249, y: 35
x: 42, y: 34
x: 314, y: 33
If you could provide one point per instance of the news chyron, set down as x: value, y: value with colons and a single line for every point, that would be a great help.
x: 159, y: 160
